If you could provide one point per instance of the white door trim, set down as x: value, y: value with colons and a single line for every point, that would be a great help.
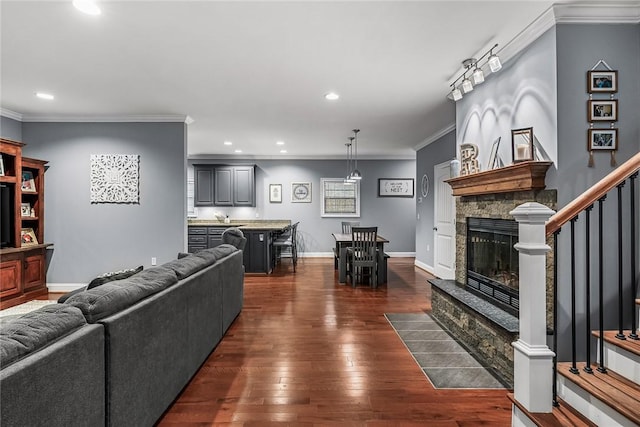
x: 444, y: 221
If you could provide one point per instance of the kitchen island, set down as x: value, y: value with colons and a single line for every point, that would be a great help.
x: 207, y: 233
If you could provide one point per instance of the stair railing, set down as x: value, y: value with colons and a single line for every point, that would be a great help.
x: 527, y: 355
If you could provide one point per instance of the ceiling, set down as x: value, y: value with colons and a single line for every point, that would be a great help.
x: 254, y: 73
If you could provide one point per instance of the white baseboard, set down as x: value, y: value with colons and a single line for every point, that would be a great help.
x: 64, y: 287
x: 426, y: 267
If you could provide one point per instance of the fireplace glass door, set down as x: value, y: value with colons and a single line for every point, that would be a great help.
x: 492, y: 260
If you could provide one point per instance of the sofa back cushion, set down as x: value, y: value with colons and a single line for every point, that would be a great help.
x: 112, y: 297
x: 187, y: 265
x: 37, y: 329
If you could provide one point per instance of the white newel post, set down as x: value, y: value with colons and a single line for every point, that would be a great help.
x: 533, y: 360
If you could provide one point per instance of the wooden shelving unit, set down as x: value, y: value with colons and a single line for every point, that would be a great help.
x: 22, y: 267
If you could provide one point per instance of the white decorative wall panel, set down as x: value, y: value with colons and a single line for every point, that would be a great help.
x: 115, y: 178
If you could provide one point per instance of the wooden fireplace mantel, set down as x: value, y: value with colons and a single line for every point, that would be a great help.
x: 522, y: 176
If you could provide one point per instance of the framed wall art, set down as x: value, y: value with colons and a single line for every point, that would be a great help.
x: 115, y: 178
x: 603, y: 139
x: 602, y: 81
x: 275, y: 193
x: 395, y: 187
x: 301, y: 192
x: 602, y: 110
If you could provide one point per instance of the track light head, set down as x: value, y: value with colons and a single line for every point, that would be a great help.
x: 456, y: 94
x: 494, y: 63
x: 478, y: 76
x: 466, y: 85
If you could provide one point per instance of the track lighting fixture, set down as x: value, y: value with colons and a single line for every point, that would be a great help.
x: 474, y: 68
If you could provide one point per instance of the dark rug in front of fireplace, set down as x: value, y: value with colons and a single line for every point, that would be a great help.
x: 445, y: 362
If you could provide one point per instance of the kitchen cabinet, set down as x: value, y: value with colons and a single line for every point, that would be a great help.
x: 257, y: 252
x: 200, y: 238
x: 224, y: 185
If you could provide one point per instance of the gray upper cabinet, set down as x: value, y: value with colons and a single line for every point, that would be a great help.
x: 203, y: 177
x: 225, y: 185
x: 244, y: 193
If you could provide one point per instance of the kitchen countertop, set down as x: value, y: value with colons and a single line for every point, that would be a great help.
x: 248, y: 224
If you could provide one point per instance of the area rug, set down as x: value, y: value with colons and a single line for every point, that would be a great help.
x: 25, y: 308
x: 443, y: 360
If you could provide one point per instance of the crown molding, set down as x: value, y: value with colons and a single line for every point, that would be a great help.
x: 245, y: 157
x: 435, y: 136
x: 10, y: 114
x: 105, y: 119
x: 614, y: 12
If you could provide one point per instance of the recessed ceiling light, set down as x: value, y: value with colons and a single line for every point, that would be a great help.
x: 280, y: 143
x: 228, y: 143
x: 283, y: 151
x: 332, y: 96
x: 43, y: 95
x: 87, y: 6
x: 238, y: 151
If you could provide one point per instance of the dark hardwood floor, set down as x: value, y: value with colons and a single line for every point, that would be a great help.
x: 306, y: 351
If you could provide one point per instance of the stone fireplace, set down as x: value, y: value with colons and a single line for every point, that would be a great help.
x: 480, y: 307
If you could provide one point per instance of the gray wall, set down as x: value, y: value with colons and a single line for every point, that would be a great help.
x: 522, y: 94
x: 395, y: 217
x: 439, y: 151
x: 90, y: 239
x: 580, y: 47
x: 10, y: 129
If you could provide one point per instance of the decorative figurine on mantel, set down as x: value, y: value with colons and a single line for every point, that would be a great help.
x: 469, y: 159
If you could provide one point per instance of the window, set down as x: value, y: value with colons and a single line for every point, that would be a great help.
x: 339, y: 198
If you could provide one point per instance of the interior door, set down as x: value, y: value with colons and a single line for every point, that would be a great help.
x: 444, y: 224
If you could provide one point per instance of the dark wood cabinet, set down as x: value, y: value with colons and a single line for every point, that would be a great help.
x: 22, y: 266
x: 224, y: 185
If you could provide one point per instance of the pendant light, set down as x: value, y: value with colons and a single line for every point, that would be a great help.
x: 348, y: 179
x: 356, y: 173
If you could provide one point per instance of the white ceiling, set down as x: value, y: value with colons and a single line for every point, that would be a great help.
x: 255, y: 72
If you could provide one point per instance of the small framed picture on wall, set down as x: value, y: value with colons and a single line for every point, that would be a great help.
x: 602, y: 81
x: 603, y: 139
x: 275, y: 193
x: 602, y: 110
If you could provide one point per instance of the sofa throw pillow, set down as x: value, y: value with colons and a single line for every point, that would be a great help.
x: 68, y: 295
x: 114, y: 275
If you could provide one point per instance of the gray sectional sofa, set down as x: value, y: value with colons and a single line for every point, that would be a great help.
x: 129, y: 349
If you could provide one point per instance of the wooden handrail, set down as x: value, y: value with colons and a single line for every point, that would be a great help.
x: 592, y: 195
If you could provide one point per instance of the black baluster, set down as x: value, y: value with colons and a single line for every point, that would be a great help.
x: 634, y: 284
x: 555, y: 318
x: 573, y: 369
x: 601, y: 367
x: 587, y: 245
x: 620, y: 335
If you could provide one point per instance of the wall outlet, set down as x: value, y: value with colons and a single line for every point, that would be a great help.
x: 257, y: 214
x: 154, y: 261
x: 428, y: 248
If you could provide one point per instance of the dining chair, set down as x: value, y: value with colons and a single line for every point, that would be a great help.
x: 362, y: 256
x: 347, y: 225
x: 287, y: 242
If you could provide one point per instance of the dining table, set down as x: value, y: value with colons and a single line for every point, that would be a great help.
x: 344, y: 240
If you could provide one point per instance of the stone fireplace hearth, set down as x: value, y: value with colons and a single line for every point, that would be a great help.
x: 485, y: 326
